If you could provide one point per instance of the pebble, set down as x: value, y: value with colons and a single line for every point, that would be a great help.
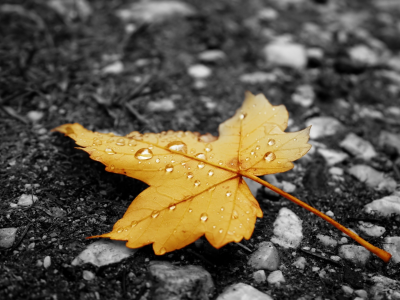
x: 358, y: 255
x: 363, y: 55
x: 257, y: 77
x: 242, y: 291
x: 287, y: 229
x: 373, y: 178
x: 332, y: 157
x: 116, y: 67
x: 384, y: 288
x: 35, y: 115
x: 87, y: 275
x: 327, y: 241
x: 336, y: 171
x: 27, y: 200
x: 199, y: 71
x: 103, y: 252
x: 288, y: 187
x: 71, y: 9
x: 329, y: 213
x: 212, y: 56
x: 259, y: 276
x: 304, y: 95
x: 385, y: 206
x: 7, y: 236
x: 391, y: 244
x: 323, y: 127
x: 390, y: 139
x: 286, y: 55
x: 361, y: 293
x: 47, y: 262
x: 173, y: 282
x: 154, y: 11
x: 300, y: 263
x: 267, y: 14
x: 347, y: 290
x: 315, y: 55
x: 265, y: 257
x: 276, y: 278
x: 358, y: 146
x: 370, y: 229
x: 164, y: 105
x: 367, y: 112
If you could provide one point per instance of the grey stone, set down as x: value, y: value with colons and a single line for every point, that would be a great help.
x: 327, y: 241
x: 286, y: 55
x: 7, y: 237
x: 358, y: 255
x: 390, y: 139
x: 242, y: 291
x: 300, y: 263
x: 385, y: 206
x: 373, y: 178
x: 265, y: 257
x: 323, y: 127
x: 358, y: 146
x: 287, y: 229
x: 391, y: 244
x: 276, y: 278
x: 370, y: 229
x: 384, y: 288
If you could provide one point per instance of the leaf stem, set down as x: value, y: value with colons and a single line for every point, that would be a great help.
x: 385, y: 256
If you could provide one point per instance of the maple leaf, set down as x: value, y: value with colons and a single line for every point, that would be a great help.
x: 196, y: 182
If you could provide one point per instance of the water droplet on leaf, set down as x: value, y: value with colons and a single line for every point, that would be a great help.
x: 177, y: 146
x: 204, y: 217
x: 197, y: 183
x: 269, y: 156
x: 169, y: 168
x: 242, y: 116
x: 109, y: 151
x: 201, y: 156
x: 271, y: 142
x: 172, y: 207
x: 190, y: 175
x: 144, y: 154
x: 134, y: 223
x: 228, y: 193
x: 200, y: 165
x: 208, y: 148
x: 163, y: 251
x: 120, y: 142
x: 210, y: 173
x: 155, y: 214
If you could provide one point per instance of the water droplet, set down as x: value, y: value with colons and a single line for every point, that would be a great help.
x: 271, y: 142
x: 190, y: 210
x: 155, y: 214
x: 204, y: 217
x: 208, y: 148
x: 169, y: 168
x: 120, y: 142
x: 269, y: 156
x: 247, y: 159
x: 253, y: 152
x: 200, y: 165
x: 109, y: 151
x: 294, y: 139
x: 190, y: 175
x: 242, y: 116
x: 112, y: 167
x: 247, y: 212
x: 222, y: 209
x: 132, y: 143
x: 119, y: 230
x: 235, y: 215
x: 97, y: 142
x: 258, y: 148
x: 177, y: 146
x: 221, y: 230
x: 197, y: 183
x: 220, y: 162
x: 212, y: 189
x: 192, y: 151
x: 157, y: 160
x: 126, y: 230
x: 228, y: 193
x: 201, y: 156
x: 172, y: 207
x: 144, y: 154
x: 163, y: 251
x: 134, y: 223
x: 210, y: 173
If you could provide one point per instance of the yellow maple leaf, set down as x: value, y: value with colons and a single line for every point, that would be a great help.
x: 196, y: 182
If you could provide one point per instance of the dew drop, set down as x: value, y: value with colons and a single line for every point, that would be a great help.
x: 190, y: 210
x: 252, y: 152
x: 177, y: 146
x: 208, y: 148
x: 269, y: 156
x: 222, y: 209
x: 109, y: 151
x: 169, y: 168
x: 212, y: 189
x: 97, y: 142
x: 210, y: 173
x: 220, y: 162
x: 204, y: 217
x: 235, y: 215
x: 157, y: 160
x: 192, y: 151
x: 201, y: 156
x: 126, y: 229
x: 247, y: 159
x: 271, y: 142
x: 197, y: 183
x: 172, y: 207
x: 190, y: 175
x: 112, y: 167
x: 163, y: 251
x: 119, y: 230
x: 294, y: 139
x: 155, y: 214
x: 221, y: 230
x: 228, y: 193
x: 258, y: 148
x: 120, y: 142
x: 242, y: 116
x: 214, y: 226
x: 132, y: 143
x: 134, y: 223
x: 144, y: 154
x: 200, y: 165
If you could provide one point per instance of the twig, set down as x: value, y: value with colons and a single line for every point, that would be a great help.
x: 243, y: 246
x: 140, y: 118
x: 9, y: 110
x: 201, y: 257
x: 22, y: 236
x: 322, y: 257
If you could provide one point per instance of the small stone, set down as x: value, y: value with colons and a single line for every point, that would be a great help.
x: 363, y: 55
x: 27, y: 200
x: 336, y: 171
x: 257, y: 77
x: 358, y: 255
x: 304, y: 95
x: 384, y: 288
x: 87, y: 275
x: 361, y: 293
x: 35, y: 115
x: 199, y: 71
x: 391, y: 244
x: 287, y: 229
x: 212, y: 56
x: 154, y: 11
x: 327, y: 241
x: 315, y: 55
x: 7, y: 237
x: 114, y: 68
x: 259, y: 276
x: 288, y: 187
x: 267, y: 14
x: 358, y: 147
x: 276, y: 278
x: 370, y: 229
x: 390, y: 139
x: 385, y: 206
x: 103, y: 252
x: 286, y: 55
x: 300, y: 263
x: 373, y: 178
x: 335, y: 258
x: 71, y: 9
x: 47, y: 262
x: 332, y: 157
x: 164, y: 105
x: 242, y: 291
x: 373, y: 113
x: 315, y: 269
x: 347, y: 290
x: 265, y: 257
x: 172, y: 282
x: 323, y: 127
x: 329, y: 213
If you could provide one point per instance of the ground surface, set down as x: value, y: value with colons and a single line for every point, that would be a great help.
x: 52, y: 65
